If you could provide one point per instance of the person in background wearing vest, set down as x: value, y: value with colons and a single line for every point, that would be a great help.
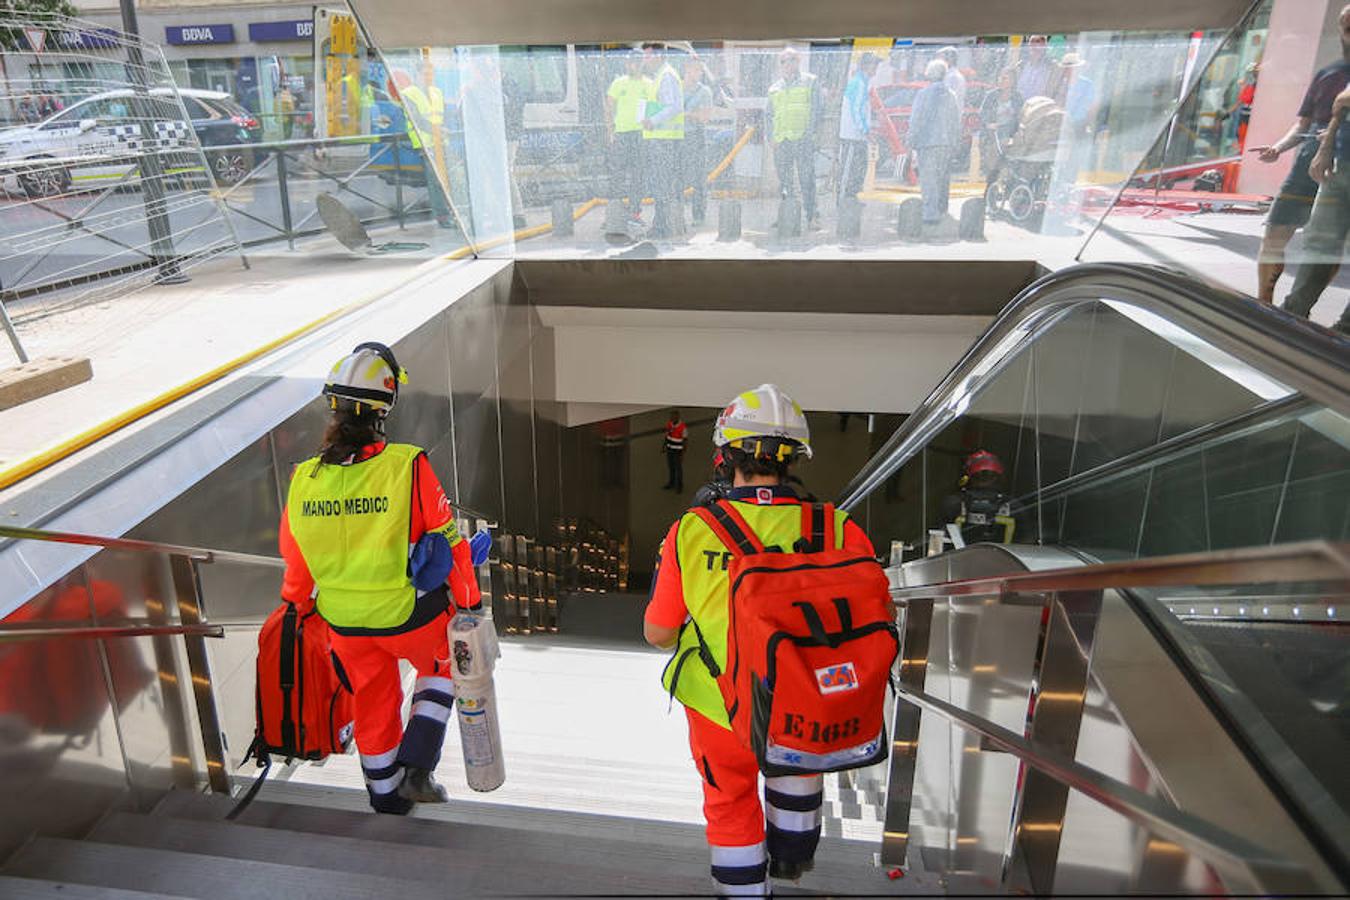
x: 855, y: 127
x: 759, y: 436
x: 698, y: 107
x: 662, y: 133
x: 792, y: 121
x: 369, y: 539
x: 674, y: 448
x: 424, y: 108
x: 624, y: 103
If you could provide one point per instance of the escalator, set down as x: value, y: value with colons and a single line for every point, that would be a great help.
x: 1148, y: 690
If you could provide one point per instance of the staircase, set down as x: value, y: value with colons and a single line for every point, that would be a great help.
x: 296, y: 850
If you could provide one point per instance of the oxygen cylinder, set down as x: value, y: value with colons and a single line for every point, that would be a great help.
x: 473, y: 646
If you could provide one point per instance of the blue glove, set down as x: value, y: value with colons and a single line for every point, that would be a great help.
x: 431, y: 561
x: 480, y: 547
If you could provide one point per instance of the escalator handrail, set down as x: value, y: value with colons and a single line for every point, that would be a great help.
x: 1305, y: 561
x: 1217, y: 846
x: 1309, y: 359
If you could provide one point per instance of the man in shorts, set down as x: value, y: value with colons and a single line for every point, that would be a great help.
x: 1293, y: 205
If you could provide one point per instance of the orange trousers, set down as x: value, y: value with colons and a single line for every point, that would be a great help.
x: 386, y: 747
x: 736, y: 820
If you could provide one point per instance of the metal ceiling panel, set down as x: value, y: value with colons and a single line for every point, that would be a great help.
x: 419, y: 23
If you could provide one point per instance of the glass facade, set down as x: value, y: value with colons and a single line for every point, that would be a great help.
x: 838, y: 145
x: 1228, y: 190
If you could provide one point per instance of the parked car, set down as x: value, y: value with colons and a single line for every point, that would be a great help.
x: 97, y: 140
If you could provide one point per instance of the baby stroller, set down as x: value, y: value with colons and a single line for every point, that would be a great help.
x: 1020, y: 181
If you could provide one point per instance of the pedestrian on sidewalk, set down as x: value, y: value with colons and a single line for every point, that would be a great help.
x: 934, y: 133
x: 792, y: 129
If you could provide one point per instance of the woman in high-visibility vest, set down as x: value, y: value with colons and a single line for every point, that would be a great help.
x: 369, y: 540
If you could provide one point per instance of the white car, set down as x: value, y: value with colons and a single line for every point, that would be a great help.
x: 98, y: 140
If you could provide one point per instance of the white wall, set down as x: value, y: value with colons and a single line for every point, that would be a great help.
x: 859, y: 363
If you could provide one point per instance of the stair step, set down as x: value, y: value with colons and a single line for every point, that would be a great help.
x: 195, y: 875
x: 441, y: 825
x: 12, y: 888
x: 482, y: 867
x: 535, y: 837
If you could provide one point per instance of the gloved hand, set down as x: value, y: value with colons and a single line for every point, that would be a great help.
x: 480, y: 547
x: 431, y: 561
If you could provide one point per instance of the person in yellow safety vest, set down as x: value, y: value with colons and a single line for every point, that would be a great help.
x: 792, y: 129
x: 758, y: 437
x: 369, y: 541
x: 662, y: 133
x: 424, y: 113
x: 624, y: 105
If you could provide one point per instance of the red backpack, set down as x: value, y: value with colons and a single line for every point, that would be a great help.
x: 304, y: 699
x: 810, y: 645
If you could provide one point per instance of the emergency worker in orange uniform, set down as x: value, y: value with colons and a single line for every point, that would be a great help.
x: 369, y: 539
x: 758, y: 437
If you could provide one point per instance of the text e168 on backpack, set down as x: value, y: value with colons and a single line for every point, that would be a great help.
x: 810, y: 646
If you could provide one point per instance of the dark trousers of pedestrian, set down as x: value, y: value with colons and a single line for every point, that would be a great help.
x: 935, y: 182
x: 675, y: 470
x: 694, y: 166
x: 852, y: 168
x: 440, y: 207
x: 663, y: 157
x: 1323, y: 246
x: 625, y: 170
x: 796, y: 162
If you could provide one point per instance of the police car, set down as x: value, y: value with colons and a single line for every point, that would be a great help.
x: 98, y: 140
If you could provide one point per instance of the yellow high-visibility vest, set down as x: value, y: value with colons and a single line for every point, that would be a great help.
x: 352, y: 525
x: 791, y: 104
x: 430, y: 108
x: 673, y: 128
x: 703, y: 561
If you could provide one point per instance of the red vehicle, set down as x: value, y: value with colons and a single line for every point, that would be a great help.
x: 892, y: 104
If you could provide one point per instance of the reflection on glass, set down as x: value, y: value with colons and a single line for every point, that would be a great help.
x: 782, y: 146
x: 1228, y: 189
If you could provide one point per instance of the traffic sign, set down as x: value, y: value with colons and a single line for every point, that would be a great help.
x: 37, y: 38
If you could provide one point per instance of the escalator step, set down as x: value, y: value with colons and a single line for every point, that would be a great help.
x: 200, y: 876
x: 12, y: 888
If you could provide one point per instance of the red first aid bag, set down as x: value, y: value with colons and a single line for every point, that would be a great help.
x: 810, y: 645
x: 304, y: 700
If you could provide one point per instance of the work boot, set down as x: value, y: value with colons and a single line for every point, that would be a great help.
x: 786, y: 870
x: 420, y: 786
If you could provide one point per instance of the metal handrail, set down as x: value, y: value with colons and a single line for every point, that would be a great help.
x: 34, y: 631
x: 199, y: 554
x: 1210, y: 842
x: 1304, y: 561
x: 1309, y: 359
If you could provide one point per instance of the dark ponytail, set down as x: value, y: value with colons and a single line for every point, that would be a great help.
x: 348, y: 432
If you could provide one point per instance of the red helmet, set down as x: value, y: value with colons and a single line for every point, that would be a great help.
x: 983, y: 461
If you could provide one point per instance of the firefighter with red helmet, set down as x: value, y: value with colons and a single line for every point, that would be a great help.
x: 981, y: 510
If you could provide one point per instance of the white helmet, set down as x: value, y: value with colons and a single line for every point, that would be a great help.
x: 368, y: 376
x: 764, y: 422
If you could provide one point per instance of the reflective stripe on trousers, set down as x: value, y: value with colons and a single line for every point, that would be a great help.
x: 740, y: 871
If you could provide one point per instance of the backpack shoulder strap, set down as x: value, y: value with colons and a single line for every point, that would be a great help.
x: 730, y: 528
x: 817, y: 528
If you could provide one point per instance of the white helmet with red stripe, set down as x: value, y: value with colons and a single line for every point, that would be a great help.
x: 764, y: 422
